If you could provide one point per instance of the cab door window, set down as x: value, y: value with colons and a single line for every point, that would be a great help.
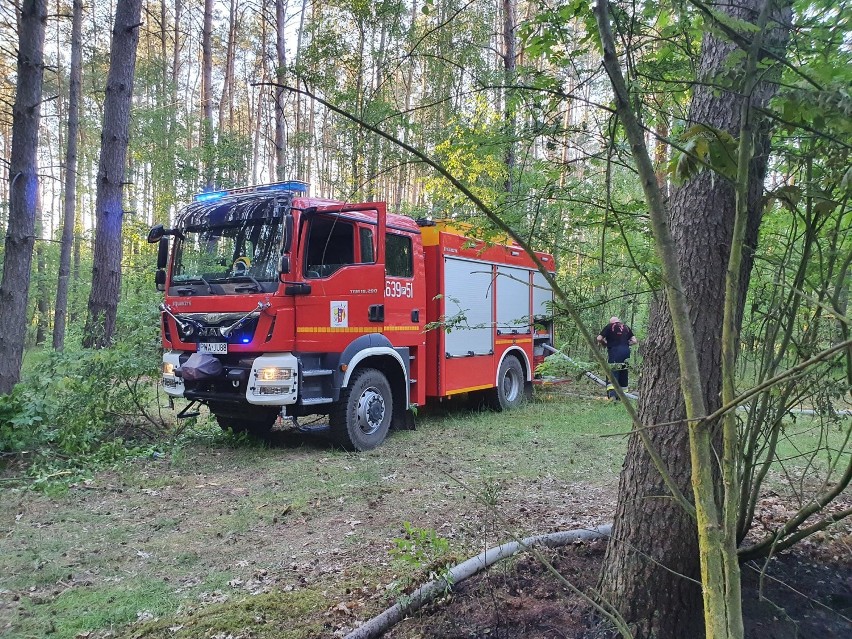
x: 368, y: 251
x: 331, y: 246
x: 399, y: 261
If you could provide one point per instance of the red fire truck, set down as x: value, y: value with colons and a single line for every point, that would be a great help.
x: 277, y: 303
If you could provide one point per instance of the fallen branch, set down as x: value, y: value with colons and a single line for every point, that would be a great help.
x: 380, y: 624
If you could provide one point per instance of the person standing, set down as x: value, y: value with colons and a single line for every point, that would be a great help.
x: 618, y: 338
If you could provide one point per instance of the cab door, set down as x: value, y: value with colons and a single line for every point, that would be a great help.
x: 340, y: 263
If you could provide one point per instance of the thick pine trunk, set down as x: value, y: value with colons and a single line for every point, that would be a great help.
x: 651, y: 570
x: 106, y: 271
x: 23, y: 189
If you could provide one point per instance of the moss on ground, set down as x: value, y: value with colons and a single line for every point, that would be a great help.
x: 279, y: 615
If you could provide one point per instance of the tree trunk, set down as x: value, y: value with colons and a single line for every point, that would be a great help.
x: 509, y: 71
x: 23, y: 188
x: 106, y: 271
x: 298, y: 158
x: 227, y: 101
x: 42, y: 322
x: 207, y: 153
x: 280, y: 56
x: 651, y: 570
x: 69, y: 210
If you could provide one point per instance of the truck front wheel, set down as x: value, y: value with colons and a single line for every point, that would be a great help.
x: 257, y: 425
x: 510, y: 391
x: 360, y: 420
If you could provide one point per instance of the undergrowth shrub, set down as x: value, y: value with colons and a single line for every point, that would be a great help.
x: 78, y: 410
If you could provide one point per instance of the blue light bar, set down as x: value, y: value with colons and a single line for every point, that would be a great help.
x: 295, y: 186
x: 208, y: 195
x: 290, y: 185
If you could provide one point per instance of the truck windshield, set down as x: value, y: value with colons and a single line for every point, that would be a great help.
x: 245, y: 251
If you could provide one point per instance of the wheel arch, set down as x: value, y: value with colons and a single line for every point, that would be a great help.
x: 376, y: 351
x: 522, y: 357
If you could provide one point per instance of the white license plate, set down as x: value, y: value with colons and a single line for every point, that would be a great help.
x: 214, y: 348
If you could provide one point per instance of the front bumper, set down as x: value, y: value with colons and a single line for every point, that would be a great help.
x: 271, y: 379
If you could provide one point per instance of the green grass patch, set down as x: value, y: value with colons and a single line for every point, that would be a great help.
x: 273, y: 615
x: 80, y: 609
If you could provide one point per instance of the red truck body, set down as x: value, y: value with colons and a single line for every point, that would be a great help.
x: 281, y: 304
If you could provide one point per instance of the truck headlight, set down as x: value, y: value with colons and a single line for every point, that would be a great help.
x: 274, y: 374
x: 168, y: 369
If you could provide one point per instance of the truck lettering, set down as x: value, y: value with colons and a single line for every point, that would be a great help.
x: 396, y: 288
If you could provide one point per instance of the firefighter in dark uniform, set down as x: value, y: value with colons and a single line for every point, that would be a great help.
x: 618, y: 338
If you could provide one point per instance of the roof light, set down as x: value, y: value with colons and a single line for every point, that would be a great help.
x: 290, y: 185
x: 209, y: 195
x: 295, y: 186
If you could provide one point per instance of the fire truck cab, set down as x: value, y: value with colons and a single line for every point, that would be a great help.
x: 277, y: 303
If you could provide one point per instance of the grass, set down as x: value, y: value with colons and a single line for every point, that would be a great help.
x: 78, y: 610
x: 273, y: 615
x: 221, y: 535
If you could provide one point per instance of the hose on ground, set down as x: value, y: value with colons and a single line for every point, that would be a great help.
x: 380, y: 624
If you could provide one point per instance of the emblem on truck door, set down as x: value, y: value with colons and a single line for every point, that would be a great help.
x: 340, y: 314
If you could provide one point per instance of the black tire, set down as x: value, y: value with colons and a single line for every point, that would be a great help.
x: 259, y: 427
x: 361, y: 418
x: 511, y: 386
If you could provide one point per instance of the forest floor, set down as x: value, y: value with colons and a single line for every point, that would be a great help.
x: 805, y: 594
x: 227, y: 540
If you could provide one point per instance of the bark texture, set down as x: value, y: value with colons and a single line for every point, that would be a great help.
x: 510, y: 58
x: 23, y: 192
x: 69, y: 204
x: 106, y: 272
x: 651, y: 570
x: 207, y: 95
x: 281, y: 60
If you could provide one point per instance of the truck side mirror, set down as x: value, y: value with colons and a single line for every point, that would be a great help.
x: 156, y: 233
x: 284, y: 265
x: 160, y: 280
x: 163, y: 253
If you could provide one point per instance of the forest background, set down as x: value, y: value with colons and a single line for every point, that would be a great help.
x: 510, y: 99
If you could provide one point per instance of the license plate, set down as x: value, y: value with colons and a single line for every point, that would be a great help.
x: 214, y: 348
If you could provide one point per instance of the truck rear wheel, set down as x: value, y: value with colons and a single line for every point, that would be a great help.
x: 510, y: 391
x: 360, y: 420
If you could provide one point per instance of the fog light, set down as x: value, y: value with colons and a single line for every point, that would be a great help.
x: 274, y: 374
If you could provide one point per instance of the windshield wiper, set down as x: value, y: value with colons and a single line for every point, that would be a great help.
x: 256, y: 284
x: 196, y: 280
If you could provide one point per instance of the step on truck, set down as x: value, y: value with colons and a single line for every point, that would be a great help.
x: 280, y: 304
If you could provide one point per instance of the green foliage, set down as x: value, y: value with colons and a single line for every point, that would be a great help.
x: 419, y: 547
x: 78, y: 410
x: 705, y: 146
x: 560, y: 365
x: 425, y: 553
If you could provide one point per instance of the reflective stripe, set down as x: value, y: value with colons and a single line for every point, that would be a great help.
x: 354, y: 329
x: 468, y: 390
